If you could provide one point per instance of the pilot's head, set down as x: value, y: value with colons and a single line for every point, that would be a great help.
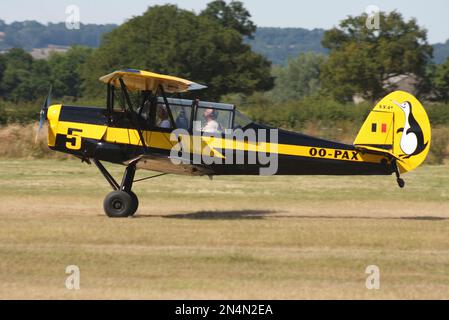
x: 210, y: 114
x: 162, y: 112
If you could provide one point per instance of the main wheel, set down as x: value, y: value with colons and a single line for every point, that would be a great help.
x: 135, y: 201
x: 119, y: 204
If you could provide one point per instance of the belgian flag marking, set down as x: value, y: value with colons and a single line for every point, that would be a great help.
x: 383, y: 127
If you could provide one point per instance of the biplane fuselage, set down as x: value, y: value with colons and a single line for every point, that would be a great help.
x: 93, y: 133
x: 129, y: 133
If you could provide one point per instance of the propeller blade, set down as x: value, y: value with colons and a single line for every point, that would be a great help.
x: 44, y: 109
x: 43, y: 113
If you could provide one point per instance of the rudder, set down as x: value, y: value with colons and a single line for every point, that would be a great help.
x: 398, y: 125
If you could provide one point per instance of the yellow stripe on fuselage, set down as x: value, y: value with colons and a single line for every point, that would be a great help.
x: 160, y: 140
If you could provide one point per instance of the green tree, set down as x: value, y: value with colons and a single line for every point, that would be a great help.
x: 66, y: 71
x: 169, y: 40
x: 361, y: 60
x: 23, y: 78
x: 232, y: 15
x: 300, y: 78
x: 2, y: 70
x: 441, y: 81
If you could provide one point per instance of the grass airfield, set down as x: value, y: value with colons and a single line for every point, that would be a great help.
x: 230, y: 238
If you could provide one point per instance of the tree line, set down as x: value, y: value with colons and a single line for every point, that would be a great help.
x: 32, y: 34
x: 207, y: 47
x: 210, y: 48
x: 276, y: 44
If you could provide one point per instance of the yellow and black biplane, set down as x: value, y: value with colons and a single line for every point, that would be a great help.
x: 143, y: 110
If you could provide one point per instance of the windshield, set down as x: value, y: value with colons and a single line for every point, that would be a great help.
x: 240, y: 120
x: 212, y: 116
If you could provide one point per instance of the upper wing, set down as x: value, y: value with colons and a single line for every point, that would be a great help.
x: 145, y: 80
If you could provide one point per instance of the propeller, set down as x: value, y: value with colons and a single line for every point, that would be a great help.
x: 43, y: 113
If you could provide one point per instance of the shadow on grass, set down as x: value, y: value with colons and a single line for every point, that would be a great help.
x: 263, y: 214
x: 217, y: 215
x: 425, y: 218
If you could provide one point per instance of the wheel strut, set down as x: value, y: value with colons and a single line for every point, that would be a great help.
x: 128, y: 178
x: 110, y: 179
x: 399, y: 180
x: 122, y: 202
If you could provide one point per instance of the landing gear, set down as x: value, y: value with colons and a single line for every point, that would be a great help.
x: 119, y: 204
x: 399, y: 180
x: 135, y: 202
x: 122, y: 202
x: 401, y: 183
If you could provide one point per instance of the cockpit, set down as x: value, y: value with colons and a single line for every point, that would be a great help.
x: 144, y: 94
x: 166, y: 114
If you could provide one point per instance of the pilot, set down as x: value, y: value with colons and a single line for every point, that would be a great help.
x: 163, y: 117
x: 212, y: 126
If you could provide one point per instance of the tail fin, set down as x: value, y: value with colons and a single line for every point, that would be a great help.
x: 398, y: 126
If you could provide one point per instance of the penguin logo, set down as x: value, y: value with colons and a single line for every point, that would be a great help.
x: 412, y: 140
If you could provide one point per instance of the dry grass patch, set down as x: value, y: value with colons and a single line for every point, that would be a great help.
x: 231, y: 238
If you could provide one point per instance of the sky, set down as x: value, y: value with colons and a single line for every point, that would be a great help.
x: 431, y: 14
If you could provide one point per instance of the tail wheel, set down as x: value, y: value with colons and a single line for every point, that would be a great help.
x: 119, y: 204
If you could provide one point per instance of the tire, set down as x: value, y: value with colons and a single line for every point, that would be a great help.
x: 118, y: 204
x: 135, y: 202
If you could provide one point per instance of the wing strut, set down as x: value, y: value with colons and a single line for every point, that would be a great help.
x: 134, y: 119
x: 167, y: 106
